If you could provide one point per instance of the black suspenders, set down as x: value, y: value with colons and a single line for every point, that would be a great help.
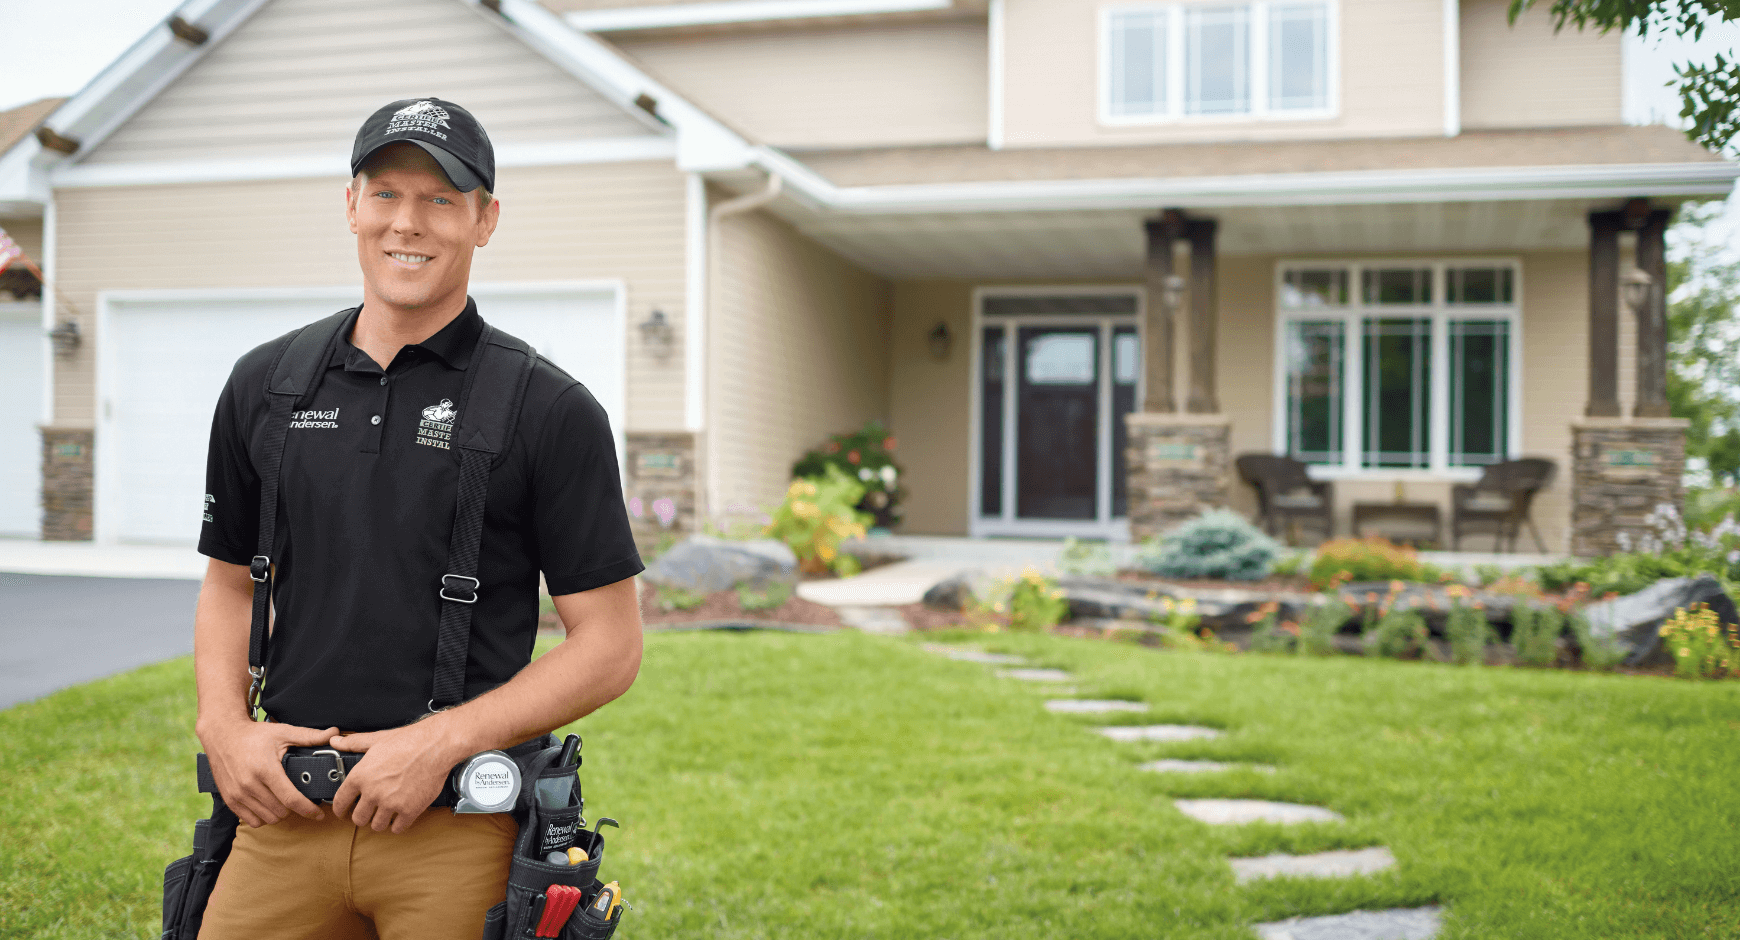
x: 500, y: 367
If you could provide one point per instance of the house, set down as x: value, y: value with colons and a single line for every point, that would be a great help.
x: 1078, y: 255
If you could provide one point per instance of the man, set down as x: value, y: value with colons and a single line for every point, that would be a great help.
x: 367, y: 493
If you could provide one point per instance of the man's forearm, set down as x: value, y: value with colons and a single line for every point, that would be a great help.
x: 220, y: 642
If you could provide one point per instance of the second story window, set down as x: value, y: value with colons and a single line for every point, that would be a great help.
x: 1201, y: 59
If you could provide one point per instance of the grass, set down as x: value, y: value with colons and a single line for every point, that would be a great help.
x: 831, y: 786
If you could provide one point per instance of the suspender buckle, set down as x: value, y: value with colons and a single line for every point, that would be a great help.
x: 455, y: 582
x: 260, y: 568
x: 259, y: 674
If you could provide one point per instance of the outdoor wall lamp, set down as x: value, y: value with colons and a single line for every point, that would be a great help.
x: 65, y: 337
x: 1174, y: 291
x: 940, y: 339
x: 1634, y: 286
x: 657, y: 334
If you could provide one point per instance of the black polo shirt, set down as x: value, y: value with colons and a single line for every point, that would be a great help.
x: 366, y: 506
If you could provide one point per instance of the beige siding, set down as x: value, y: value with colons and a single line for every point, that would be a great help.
x: 301, y: 75
x: 929, y: 401
x: 558, y: 223
x: 1391, y: 78
x: 1525, y: 76
x: 862, y: 87
x: 798, y: 350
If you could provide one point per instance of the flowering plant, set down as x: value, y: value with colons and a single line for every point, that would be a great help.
x: 1702, y: 648
x: 1340, y: 561
x: 1671, y: 549
x: 866, y: 455
x: 1030, y: 601
x: 816, y: 517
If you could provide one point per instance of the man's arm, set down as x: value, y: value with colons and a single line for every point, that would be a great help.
x: 594, y: 664
x: 246, y: 755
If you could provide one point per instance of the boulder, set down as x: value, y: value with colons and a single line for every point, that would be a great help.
x: 956, y: 592
x: 1432, y: 601
x: 705, y: 565
x: 1633, y: 620
x: 1219, y: 608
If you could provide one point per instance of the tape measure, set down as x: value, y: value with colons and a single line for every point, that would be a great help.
x: 487, y: 782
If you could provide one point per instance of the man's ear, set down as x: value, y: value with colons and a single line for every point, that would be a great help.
x: 486, y: 225
x: 350, y: 204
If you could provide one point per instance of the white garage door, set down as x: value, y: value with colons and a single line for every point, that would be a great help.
x: 20, y: 410
x: 164, y: 357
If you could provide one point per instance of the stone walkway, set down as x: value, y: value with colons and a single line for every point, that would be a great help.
x: 1399, y: 924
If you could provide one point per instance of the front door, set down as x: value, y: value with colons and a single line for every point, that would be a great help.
x: 1055, y: 380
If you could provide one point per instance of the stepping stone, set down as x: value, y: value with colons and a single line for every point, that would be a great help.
x: 1158, y: 732
x: 1093, y: 706
x: 974, y: 656
x: 1341, y: 864
x: 1036, y: 675
x: 1402, y: 923
x: 884, y: 620
x: 1239, y: 812
x: 1199, y: 767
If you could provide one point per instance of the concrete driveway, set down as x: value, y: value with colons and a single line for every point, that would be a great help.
x: 57, y: 631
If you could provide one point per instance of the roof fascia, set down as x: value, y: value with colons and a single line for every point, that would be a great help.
x: 1272, y: 189
x: 704, y: 144
x: 738, y: 11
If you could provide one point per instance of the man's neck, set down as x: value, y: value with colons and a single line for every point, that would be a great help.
x: 383, y: 329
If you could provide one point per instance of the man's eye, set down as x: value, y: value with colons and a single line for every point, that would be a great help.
x: 384, y: 194
x: 443, y: 200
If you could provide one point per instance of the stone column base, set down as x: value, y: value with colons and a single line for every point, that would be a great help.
x: 663, y: 474
x: 1622, y: 469
x: 66, y: 484
x: 1178, y: 466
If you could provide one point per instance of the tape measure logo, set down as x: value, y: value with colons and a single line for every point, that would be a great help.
x: 491, y: 783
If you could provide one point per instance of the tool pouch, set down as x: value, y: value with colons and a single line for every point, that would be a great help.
x: 188, y: 881
x: 529, y: 876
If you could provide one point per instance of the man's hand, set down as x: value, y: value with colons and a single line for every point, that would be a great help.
x: 247, y: 762
x: 400, y: 777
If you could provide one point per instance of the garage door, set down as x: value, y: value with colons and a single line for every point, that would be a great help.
x: 20, y: 410
x: 164, y: 358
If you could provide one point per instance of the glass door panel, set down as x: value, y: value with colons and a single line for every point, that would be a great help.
x: 1126, y: 371
x: 1057, y: 422
x: 993, y: 360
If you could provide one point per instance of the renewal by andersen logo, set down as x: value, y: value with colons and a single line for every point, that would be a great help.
x: 423, y: 117
x: 314, y: 419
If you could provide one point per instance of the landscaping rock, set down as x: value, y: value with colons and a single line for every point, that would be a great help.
x: 1432, y: 601
x: 881, y: 620
x: 1418, y: 923
x: 1240, y: 812
x: 1633, y: 620
x: 1090, y: 706
x: 974, y: 656
x: 1219, y: 608
x: 707, y: 565
x: 1159, y: 732
x: 957, y: 592
x: 1341, y: 864
x: 1199, y: 767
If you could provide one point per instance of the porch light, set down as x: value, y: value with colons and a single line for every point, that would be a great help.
x: 656, y: 333
x: 1634, y: 286
x: 940, y: 340
x: 65, y: 337
x: 1174, y: 291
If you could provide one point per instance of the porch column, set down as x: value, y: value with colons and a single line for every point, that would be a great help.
x: 1604, y: 314
x: 1157, y: 351
x: 1204, y: 314
x: 1652, y: 318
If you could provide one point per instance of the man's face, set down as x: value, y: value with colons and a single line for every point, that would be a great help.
x: 414, y: 232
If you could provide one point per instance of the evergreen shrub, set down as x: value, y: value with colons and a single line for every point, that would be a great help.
x: 1217, y: 544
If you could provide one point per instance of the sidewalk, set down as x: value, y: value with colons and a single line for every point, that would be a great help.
x: 88, y: 559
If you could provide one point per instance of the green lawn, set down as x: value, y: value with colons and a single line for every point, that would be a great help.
x: 834, y: 786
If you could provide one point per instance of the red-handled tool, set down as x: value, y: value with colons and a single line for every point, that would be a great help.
x: 562, y: 899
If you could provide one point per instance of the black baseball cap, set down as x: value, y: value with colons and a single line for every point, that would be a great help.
x: 445, y: 130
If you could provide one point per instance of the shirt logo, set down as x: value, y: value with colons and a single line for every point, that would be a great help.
x: 436, y: 428
x: 422, y: 116
x: 209, y: 499
x: 314, y: 419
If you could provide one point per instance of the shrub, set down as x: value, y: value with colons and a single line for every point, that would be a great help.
x: 866, y: 455
x: 775, y: 594
x: 1534, y: 632
x: 1398, y: 633
x: 1092, y: 559
x: 1468, y: 631
x: 816, y: 517
x: 1596, y: 652
x: 1671, y: 550
x: 1317, y: 631
x: 1036, y: 603
x: 1701, y: 647
x: 1272, y: 636
x: 1288, y: 565
x: 1340, y: 561
x: 1217, y: 544
x: 676, y: 598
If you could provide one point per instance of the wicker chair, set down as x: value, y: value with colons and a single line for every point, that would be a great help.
x: 1285, y: 495
x: 1500, y: 502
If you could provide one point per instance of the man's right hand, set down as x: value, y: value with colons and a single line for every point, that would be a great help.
x: 247, y: 763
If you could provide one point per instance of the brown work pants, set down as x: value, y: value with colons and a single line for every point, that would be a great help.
x: 303, y: 879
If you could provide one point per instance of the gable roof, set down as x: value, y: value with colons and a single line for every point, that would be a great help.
x: 23, y: 120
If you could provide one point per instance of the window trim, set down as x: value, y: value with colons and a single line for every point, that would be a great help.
x: 1175, y: 79
x: 1352, y: 315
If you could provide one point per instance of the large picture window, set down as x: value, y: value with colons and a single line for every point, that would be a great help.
x: 1266, y: 58
x: 1397, y: 366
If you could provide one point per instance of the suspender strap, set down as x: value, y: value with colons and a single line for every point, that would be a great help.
x: 294, y: 376
x: 500, y: 368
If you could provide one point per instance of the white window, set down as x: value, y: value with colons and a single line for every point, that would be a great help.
x: 1254, y: 59
x: 1405, y: 366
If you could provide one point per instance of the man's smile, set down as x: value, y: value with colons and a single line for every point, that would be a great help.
x: 406, y: 258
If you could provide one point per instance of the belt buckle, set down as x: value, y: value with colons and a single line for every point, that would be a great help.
x: 336, y: 775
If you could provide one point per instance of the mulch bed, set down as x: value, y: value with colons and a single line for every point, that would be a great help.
x: 725, y: 605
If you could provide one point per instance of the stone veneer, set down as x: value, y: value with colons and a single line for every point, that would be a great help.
x: 66, y: 484
x: 1178, y: 467
x: 1621, y: 470
x: 662, y: 475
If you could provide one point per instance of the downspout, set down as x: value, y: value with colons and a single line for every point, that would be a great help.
x: 1452, y: 68
x: 715, y: 231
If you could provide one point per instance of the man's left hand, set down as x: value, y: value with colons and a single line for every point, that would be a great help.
x: 392, y: 786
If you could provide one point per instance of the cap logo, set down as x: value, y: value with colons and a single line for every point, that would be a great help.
x: 423, y: 116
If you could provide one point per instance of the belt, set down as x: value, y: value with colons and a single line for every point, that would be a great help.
x: 317, y: 773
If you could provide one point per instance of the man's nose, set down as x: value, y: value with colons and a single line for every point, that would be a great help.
x: 408, y: 220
